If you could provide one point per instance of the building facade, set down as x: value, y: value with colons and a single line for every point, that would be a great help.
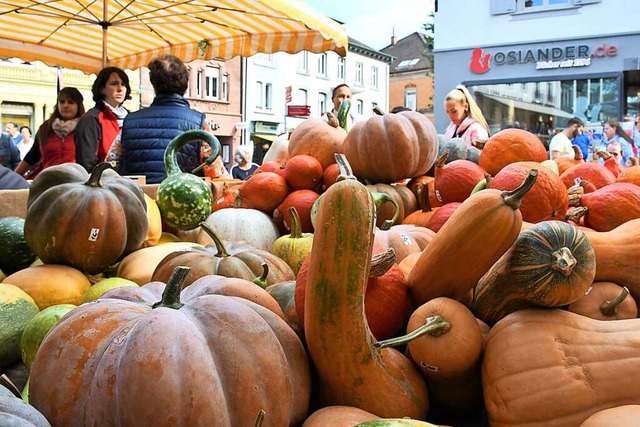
x: 281, y: 89
x: 536, y: 63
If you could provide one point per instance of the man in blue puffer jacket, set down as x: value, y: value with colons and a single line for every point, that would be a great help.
x: 146, y: 133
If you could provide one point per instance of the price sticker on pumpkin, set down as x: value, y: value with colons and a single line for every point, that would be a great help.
x: 405, y: 239
x: 577, y: 180
x: 93, y: 236
x: 588, y: 291
x: 438, y: 196
x: 429, y: 367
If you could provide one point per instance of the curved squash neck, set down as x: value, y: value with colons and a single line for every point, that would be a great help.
x: 170, y: 161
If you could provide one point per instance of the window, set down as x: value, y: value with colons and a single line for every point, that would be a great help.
x: 212, y: 77
x: 322, y: 65
x: 268, y: 92
x: 410, y: 98
x: 322, y: 103
x: 374, y: 77
x: 225, y: 87
x: 360, y: 106
x: 341, y: 67
x: 303, y: 62
x: 501, y: 7
x: 359, y: 77
x: 199, y: 80
x: 263, y: 58
x: 301, y: 97
x: 260, y: 95
x: 408, y: 63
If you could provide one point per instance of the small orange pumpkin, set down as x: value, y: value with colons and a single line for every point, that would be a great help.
x: 511, y: 145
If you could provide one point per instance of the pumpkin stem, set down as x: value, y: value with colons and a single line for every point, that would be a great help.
x: 604, y: 155
x: 378, y: 111
x: 345, y: 168
x: 171, y: 294
x: 435, y: 326
x: 440, y: 161
x: 563, y: 261
x: 332, y: 120
x: 296, y: 229
x: 170, y: 161
x: 378, y: 200
x: 575, y: 214
x: 262, y: 280
x: 479, y: 143
x: 260, y: 418
x: 577, y: 153
x: 382, y: 262
x: 423, y: 192
x: 609, y: 308
x: 222, y: 251
x: 513, y: 198
x: 96, y: 174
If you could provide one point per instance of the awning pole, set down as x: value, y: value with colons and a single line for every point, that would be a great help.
x: 104, y: 32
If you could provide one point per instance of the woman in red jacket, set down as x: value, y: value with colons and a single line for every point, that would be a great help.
x: 54, y: 143
x: 98, y: 133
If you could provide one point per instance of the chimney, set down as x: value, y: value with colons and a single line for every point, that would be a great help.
x: 393, y: 36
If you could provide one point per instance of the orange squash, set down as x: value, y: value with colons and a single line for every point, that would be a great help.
x: 508, y: 146
x: 620, y: 416
x: 405, y: 239
x: 469, y: 243
x: 554, y: 368
x: 606, y: 301
x: 350, y: 370
x: 303, y: 172
x: 318, y: 138
x: 423, y: 214
x: 551, y: 264
x: 456, y: 180
x: 630, y: 175
x: 263, y: 191
x: 610, y: 163
x: 441, y: 216
x: 595, y: 173
x: 565, y: 163
x: 392, y: 147
x: 609, y: 206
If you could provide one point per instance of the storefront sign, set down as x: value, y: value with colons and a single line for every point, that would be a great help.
x: 544, y: 58
x: 299, y: 110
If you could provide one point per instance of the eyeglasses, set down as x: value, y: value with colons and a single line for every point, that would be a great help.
x: 613, y: 153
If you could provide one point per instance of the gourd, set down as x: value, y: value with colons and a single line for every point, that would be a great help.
x: 606, y: 301
x: 172, y: 359
x: 87, y: 222
x: 551, y: 264
x: 229, y: 260
x: 554, y: 368
x: 481, y: 229
x: 388, y: 148
x: 184, y: 199
x: 294, y: 247
x: 565, y: 163
x: 609, y: 206
x: 350, y: 371
x: 14, y: 250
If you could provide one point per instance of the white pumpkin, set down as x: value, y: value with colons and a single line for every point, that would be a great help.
x: 238, y: 224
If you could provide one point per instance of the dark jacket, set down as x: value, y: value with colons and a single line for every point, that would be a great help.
x: 95, y: 133
x: 9, y: 153
x: 146, y: 134
x: 9, y: 180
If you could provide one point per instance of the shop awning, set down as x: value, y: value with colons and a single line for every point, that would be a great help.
x: 267, y: 136
x: 523, y: 105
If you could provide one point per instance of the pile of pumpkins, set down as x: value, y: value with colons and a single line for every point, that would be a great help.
x: 381, y: 276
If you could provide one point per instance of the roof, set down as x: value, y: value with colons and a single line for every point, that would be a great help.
x: 358, y: 47
x: 411, y: 53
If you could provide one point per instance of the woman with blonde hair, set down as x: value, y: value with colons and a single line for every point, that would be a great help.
x: 467, y: 121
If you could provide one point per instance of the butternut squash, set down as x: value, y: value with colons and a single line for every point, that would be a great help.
x: 351, y: 372
x: 554, y: 368
x: 481, y: 229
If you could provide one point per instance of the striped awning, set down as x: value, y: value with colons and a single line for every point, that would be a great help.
x: 90, y: 34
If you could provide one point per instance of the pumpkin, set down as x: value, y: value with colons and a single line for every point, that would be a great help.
x: 283, y: 293
x: 630, y: 175
x: 388, y: 148
x: 329, y: 175
x: 547, y: 199
x: 168, y: 365
x: 17, y: 308
x: 184, y: 199
x: 595, y: 173
x: 241, y: 261
x: 278, y: 151
x: 404, y: 239
x: 303, y: 172
x: 154, y: 219
x: 610, y: 162
x: 620, y: 416
x: 294, y: 247
x: 417, y: 184
x: 551, y: 264
x: 444, y: 340
x: 455, y: 148
x: 15, y: 253
x: 338, y: 416
x: 401, y: 203
x: 454, y: 181
x: 238, y: 224
x: 263, y: 191
x: 317, y: 138
x: 509, y: 146
x: 609, y: 206
x: 617, y: 254
x: 350, y: 371
x: 468, y: 244
x: 422, y: 215
x: 441, y: 216
x: 606, y: 301
x: 16, y: 412
x: 302, y: 201
x: 227, y: 197
x: 88, y: 223
x: 572, y: 365
x: 565, y: 163
x: 51, y: 284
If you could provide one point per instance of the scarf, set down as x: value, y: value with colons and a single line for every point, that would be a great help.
x: 62, y: 128
x: 120, y: 112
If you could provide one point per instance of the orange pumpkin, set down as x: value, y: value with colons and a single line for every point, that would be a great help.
x: 456, y: 180
x: 609, y: 206
x: 610, y: 163
x: 565, y: 163
x: 317, y: 138
x: 441, y: 216
x: 388, y: 148
x: 404, y: 239
x: 511, y: 145
x: 606, y: 301
x: 303, y: 172
x: 630, y: 175
x: 595, y: 173
x: 302, y: 201
x: 263, y: 191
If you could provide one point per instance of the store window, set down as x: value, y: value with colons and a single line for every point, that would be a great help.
x: 544, y: 106
x: 411, y: 98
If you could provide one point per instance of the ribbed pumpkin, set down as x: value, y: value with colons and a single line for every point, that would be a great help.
x: 565, y: 163
x: 511, y: 145
x: 171, y: 360
x: 15, y: 412
x: 455, y: 180
x: 404, y: 199
x: 593, y: 172
x: 630, y: 175
x: 551, y: 264
x: 238, y: 224
x: 229, y: 260
x: 572, y: 365
x: 606, y: 301
x: 547, y: 199
x: 87, y: 222
x: 609, y: 206
x: 263, y: 191
x: 294, y: 247
x: 317, y: 138
x: 404, y: 239
x: 392, y: 147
